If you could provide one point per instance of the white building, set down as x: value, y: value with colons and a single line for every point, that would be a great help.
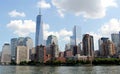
x: 22, y: 54
x: 6, y: 54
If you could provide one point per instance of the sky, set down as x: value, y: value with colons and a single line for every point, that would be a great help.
x: 99, y: 18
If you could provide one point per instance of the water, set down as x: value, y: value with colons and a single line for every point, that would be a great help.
x: 60, y: 70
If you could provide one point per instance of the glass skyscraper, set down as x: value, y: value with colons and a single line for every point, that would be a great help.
x: 39, y: 31
x: 76, y: 37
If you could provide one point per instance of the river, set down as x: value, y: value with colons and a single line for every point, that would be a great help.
x: 60, y: 70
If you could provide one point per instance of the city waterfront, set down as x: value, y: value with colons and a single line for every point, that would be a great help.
x: 59, y: 70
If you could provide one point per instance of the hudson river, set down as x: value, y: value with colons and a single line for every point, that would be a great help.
x: 60, y: 70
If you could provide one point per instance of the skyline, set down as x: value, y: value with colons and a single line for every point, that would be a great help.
x: 18, y: 18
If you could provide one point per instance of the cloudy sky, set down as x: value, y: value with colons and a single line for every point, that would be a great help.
x: 96, y: 17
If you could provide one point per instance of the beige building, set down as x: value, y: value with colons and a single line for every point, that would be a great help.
x: 22, y: 54
x: 6, y: 54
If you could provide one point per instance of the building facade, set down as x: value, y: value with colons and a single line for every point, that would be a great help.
x: 22, y: 54
x: 116, y: 40
x: 88, y: 45
x: 108, y: 49
x: 13, y: 47
x: 41, y: 54
x: 54, y: 51
x: 100, y: 42
x: 39, y: 31
x: 6, y: 54
x: 51, y: 39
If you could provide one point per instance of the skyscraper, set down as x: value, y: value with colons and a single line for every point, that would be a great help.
x: 100, y: 42
x: 76, y: 37
x: 116, y: 40
x: 88, y: 45
x: 51, y: 39
x: 108, y: 49
x: 39, y: 31
x: 13, y: 47
x: 22, y: 54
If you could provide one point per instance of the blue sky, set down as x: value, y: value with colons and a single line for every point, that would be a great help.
x: 96, y: 17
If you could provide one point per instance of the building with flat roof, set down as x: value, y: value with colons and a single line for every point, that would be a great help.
x: 6, y: 54
x: 22, y: 54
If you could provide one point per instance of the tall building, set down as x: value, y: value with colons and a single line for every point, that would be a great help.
x: 100, y: 42
x: 21, y: 41
x: 13, y: 47
x: 76, y: 37
x: 39, y: 31
x: 51, y: 39
x: 6, y: 54
x: 116, y: 40
x: 54, y: 51
x: 108, y: 49
x: 41, y: 53
x: 88, y: 45
x: 22, y: 54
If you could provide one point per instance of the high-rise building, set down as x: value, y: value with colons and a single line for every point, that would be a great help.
x: 13, y: 47
x: 54, y: 51
x: 76, y: 37
x: 6, y: 54
x: 39, y: 31
x: 88, y: 45
x: 22, y: 54
x: 100, y: 42
x: 41, y: 53
x: 21, y: 41
x: 51, y: 39
x: 108, y: 49
x: 116, y: 40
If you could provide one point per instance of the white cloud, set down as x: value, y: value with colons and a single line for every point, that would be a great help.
x: 112, y: 26
x: 43, y: 4
x: 22, y: 28
x: 88, y: 8
x: 26, y: 27
x: 14, y: 13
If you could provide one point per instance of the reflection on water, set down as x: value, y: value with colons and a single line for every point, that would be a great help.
x: 60, y: 70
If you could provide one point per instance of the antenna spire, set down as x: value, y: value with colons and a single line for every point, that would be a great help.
x: 39, y: 11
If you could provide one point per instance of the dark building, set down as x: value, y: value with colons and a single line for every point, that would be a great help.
x: 54, y: 52
x: 40, y: 53
x: 88, y: 45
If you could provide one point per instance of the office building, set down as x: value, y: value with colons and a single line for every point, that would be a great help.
x: 39, y: 31
x: 108, y: 49
x: 6, y: 54
x: 54, y: 51
x: 22, y: 54
x: 88, y: 45
x: 116, y: 40
x: 76, y: 37
x: 41, y: 54
x: 100, y: 42
x: 51, y: 39
x: 21, y: 41
x: 13, y: 47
